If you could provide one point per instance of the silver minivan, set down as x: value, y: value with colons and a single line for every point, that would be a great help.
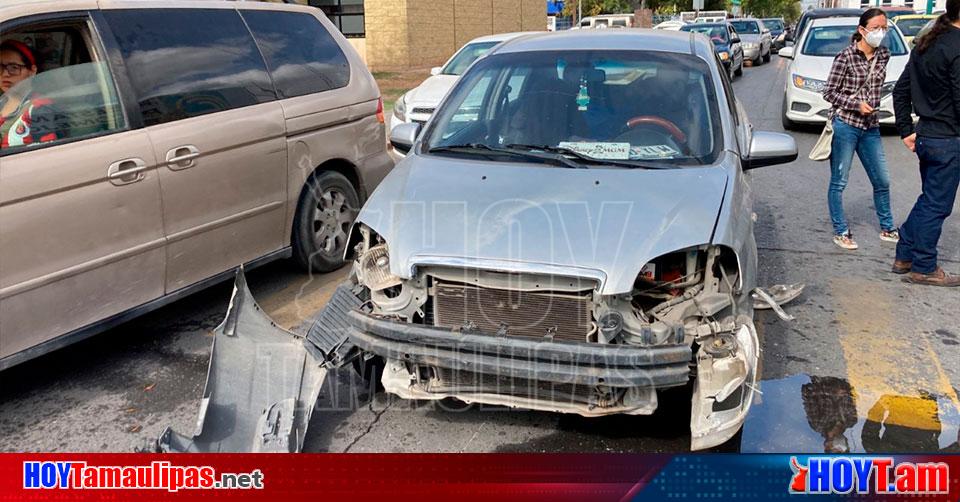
x: 152, y: 147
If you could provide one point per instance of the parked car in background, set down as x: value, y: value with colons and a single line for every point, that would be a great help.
x: 606, y: 21
x: 726, y: 42
x: 812, y: 59
x: 911, y: 24
x: 755, y: 38
x: 165, y: 169
x: 632, y: 137
x: 778, y: 31
x: 671, y: 25
x: 419, y: 103
x: 810, y: 15
x: 923, y: 31
x: 894, y: 11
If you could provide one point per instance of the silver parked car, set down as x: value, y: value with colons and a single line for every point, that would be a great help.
x: 572, y: 231
x: 756, y: 38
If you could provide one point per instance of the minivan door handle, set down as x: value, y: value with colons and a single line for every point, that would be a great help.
x: 126, y: 171
x: 182, y: 157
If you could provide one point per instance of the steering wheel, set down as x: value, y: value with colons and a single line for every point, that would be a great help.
x: 664, y: 124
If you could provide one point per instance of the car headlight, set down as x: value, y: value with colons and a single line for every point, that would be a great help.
x: 887, y: 89
x: 724, y: 55
x: 373, y: 270
x: 808, y: 84
x: 400, y: 108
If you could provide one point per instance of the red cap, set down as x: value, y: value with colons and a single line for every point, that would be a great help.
x: 16, y: 45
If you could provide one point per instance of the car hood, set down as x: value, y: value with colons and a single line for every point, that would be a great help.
x: 600, y: 224
x: 819, y: 67
x: 749, y: 38
x: 432, y: 90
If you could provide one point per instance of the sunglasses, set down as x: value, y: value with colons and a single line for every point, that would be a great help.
x: 12, y: 69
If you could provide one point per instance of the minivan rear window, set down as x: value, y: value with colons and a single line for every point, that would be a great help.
x: 302, y: 56
x: 189, y: 62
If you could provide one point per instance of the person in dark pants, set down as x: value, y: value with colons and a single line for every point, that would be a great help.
x: 930, y: 84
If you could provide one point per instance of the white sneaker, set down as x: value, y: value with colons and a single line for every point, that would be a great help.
x: 845, y: 241
x: 890, y: 235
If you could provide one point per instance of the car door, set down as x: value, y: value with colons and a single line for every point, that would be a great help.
x: 217, y: 129
x: 81, y: 234
x: 736, y: 48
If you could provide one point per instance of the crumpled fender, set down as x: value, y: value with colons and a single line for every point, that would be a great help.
x: 728, y: 374
x: 262, y: 381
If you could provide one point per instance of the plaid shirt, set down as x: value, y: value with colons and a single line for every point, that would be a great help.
x: 847, y: 75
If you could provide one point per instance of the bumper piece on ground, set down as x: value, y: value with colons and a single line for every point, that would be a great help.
x: 263, y: 380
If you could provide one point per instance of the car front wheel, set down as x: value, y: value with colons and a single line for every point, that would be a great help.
x: 788, y: 125
x: 739, y: 70
x: 322, y: 222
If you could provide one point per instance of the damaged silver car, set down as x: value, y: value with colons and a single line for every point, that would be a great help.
x: 572, y: 232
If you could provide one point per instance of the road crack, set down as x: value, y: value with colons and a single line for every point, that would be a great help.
x: 376, y: 418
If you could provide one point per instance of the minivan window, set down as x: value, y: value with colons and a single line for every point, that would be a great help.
x: 189, y: 62
x: 303, y: 58
x: 70, y: 97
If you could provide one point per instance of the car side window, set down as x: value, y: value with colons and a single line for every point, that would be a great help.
x: 189, y: 62
x: 303, y: 58
x: 55, y: 88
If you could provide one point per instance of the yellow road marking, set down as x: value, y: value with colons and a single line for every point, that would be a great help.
x: 881, y: 357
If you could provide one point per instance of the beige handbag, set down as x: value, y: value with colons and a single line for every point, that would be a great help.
x: 821, y: 150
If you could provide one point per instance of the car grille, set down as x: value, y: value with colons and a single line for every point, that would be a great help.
x: 423, y: 111
x: 513, y: 313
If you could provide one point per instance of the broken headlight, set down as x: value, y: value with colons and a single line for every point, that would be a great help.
x: 389, y: 294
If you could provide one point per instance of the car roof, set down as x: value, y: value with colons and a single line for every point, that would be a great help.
x: 915, y: 16
x: 625, y: 39
x: 694, y: 25
x: 822, y: 13
x: 501, y: 37
x: 835, y: 21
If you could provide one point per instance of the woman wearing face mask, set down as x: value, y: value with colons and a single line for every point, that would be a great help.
x: 853, y: 88
x: 25, y: 118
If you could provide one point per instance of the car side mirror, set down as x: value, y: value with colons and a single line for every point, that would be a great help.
x: 786, y: 52
x: 404, y: 136
x: 435, y: 70
x: 766, y: 30
x: 735, y: 40
x: 770, y: 149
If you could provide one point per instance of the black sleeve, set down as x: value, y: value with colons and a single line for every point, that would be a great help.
x: 903, y: 102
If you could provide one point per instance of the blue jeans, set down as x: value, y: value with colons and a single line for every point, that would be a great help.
x: 848, y: 139
x: 939, y: 175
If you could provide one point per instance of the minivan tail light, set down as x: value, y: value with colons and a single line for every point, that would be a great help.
x: 380, y: 110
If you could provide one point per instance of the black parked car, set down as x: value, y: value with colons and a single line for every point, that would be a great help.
x: 726, y: 42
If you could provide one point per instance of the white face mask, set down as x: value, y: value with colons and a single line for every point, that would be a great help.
x: 875, y: 38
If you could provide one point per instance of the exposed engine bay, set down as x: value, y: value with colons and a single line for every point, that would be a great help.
x: 689, y: 299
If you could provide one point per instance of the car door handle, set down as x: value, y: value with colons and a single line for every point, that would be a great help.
x: 124, y: 172
x: 182, y: 157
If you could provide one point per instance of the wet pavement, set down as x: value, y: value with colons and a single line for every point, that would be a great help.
x: 870, y: 364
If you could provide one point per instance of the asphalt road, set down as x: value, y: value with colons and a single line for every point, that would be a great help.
x: 870, y: 363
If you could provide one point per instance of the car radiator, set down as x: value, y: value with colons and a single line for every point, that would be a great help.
x: 564, y: 316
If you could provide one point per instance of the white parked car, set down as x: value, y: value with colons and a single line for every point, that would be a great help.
x: 418, y: 103
x: 671, y: 25
x: 812, y: 58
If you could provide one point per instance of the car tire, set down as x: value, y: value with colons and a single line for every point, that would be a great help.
x: 322, y: 222
x: 788, y: 125
x: 766, y: 59
x: 739, y: 71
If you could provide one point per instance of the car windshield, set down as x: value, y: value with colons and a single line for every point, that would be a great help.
x: 910, y: 27
x: 746, y: 27
x: 773, y: 24
x: 828, y: 41
x: 717, y: 34
x: 466, y: 57
x: 623, y: 108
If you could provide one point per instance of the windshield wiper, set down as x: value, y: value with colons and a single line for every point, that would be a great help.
x: 487, y: 149
x: 591, y: 160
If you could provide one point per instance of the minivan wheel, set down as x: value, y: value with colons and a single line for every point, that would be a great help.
x: 322, y: 223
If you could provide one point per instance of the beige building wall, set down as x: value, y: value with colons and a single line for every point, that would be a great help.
x: 418, y: 33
